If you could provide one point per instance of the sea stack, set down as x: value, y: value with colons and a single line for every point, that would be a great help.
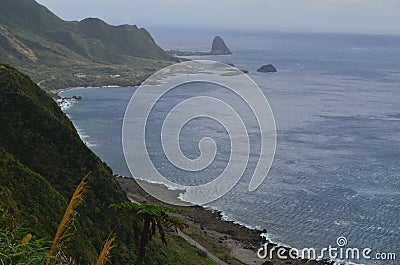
x: 219, y: 47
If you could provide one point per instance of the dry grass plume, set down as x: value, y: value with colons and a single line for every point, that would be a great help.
x: 68, y: 218
x: 105, y: 255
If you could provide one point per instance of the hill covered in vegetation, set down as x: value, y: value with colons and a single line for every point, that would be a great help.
x: 42, y: 161
x: 52, y: 50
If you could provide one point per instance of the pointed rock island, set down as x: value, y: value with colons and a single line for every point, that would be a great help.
x: 218, y: 47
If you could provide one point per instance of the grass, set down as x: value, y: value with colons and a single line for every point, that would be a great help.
x: 13, y: 250
x: 19, y: 246
x: 105, y: 253
x: 212, y: 245
x: 41, y: 156
x: 68, y: 219
x: 176, y: 252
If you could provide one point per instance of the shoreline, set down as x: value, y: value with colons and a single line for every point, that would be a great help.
x: 55, y: 93
x: 241, y: 241
x: 64, y: 102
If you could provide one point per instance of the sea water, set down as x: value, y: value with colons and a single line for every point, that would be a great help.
x: 336, y: 102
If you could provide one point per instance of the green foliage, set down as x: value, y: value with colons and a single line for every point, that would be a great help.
x: 90, y: 38
x: 13, y: 251
x: 176, y: 252
x: 212, y: 245
x: 17, y: 245
x: 17, y: 182
x: 28, y: 14
x: 146, y: 219
x: 43, y: 160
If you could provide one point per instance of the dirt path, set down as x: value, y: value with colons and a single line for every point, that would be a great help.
x: 190, y: 240
x: 197, y: 245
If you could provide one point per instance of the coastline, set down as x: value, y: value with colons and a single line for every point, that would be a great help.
x: 214, y: 229
x: 65, y: 103
x: 55, y: 93
x: 209, y: 227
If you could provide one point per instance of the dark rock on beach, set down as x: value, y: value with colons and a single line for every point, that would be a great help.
x: 268, y: 68
x: 76, y: 97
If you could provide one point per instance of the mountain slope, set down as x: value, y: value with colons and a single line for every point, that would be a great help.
x: 42, y: 160
x: 48, y: 48
x: 40, y: 211
x: 37, y: 133
x: 21, y: 16
x: 29, y: 15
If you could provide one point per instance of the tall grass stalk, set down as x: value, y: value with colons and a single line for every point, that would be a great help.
x: 105, y: 253
x: 68, y: 218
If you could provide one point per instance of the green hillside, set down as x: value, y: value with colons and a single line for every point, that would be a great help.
x: 52, y: 50
x: 42, y: 160
x: 40, y: 211
x: 39, y: 135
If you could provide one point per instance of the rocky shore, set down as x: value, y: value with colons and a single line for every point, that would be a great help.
x: 206, y: 226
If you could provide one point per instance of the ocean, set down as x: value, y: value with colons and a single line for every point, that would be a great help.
x: 336, y: 103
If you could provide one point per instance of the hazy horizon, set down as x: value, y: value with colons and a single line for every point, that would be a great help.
x: 348, y: 16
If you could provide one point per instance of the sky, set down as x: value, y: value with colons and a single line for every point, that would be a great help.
x: 356, y: 16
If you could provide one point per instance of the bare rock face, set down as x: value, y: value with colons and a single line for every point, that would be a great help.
x: 268, y: 68
x: 219, y: 47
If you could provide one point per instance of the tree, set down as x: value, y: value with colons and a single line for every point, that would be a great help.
x: 146, y: 219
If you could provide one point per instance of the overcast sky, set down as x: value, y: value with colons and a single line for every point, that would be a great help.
x: 359, y: 16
